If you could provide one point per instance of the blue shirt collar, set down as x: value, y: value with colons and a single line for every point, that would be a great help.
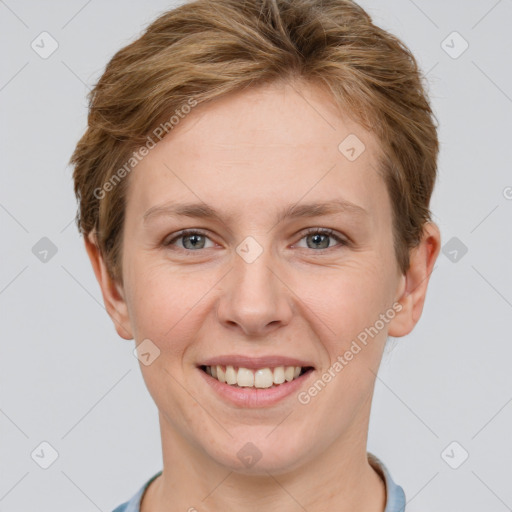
x: 395, y: 496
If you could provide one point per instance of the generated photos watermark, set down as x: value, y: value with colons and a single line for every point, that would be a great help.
x: 151, y: 141
x: 356, y: 346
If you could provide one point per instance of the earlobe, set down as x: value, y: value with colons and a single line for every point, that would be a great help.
x: 111, y: 291
x: 415, y: 281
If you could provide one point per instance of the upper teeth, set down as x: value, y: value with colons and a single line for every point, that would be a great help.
x: 259, y: 378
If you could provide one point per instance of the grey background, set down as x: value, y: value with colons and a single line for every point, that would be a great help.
x: 69, y: 380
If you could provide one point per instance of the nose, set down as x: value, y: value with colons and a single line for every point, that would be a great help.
x: 254, y: 297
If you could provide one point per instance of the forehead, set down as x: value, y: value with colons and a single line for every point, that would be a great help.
x: 273, y: 143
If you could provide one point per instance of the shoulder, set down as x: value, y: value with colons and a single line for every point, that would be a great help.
x: 122, y: 508
x: 395, y: 496
x: 133, y: 504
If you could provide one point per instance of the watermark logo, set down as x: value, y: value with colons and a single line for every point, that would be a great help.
x: 249, y: 249
x: 454, y: 249
x: 44, y: 455
x: 146, y: 352
x: 352, y: 147
x: 454, y: 455
x: 249, y: 454
x: 44, y: 45
x: 454, y: 45
x: 44, y: 250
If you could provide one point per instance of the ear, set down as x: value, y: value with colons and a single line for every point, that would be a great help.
x: 414, y: 282
x: 113, y: 294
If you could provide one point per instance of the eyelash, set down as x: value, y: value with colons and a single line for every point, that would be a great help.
x: 310, y: 231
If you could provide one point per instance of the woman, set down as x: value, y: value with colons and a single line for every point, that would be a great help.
x: 254, y: 188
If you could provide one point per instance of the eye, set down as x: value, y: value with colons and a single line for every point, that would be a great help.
x: 317, y: 238
x: 191, y: 240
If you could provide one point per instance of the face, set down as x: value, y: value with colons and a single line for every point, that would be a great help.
x: 262, y: 273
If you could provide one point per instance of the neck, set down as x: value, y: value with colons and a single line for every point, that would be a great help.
x: 341, y: 479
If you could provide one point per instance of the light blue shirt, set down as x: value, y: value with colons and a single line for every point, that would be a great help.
x: 395, y: 501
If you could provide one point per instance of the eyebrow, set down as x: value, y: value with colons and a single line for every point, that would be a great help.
x: 202, y: 210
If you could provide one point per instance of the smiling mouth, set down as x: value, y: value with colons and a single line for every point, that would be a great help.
x: 240, y: 377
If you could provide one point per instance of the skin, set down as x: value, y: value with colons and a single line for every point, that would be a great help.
x: 249, y: 155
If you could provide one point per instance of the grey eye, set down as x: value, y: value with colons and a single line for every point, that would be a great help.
x: 321, y: 239
x: 196, y: 241
x: 318, y: 241
x: 190, y: 240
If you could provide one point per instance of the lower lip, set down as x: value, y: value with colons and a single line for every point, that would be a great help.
x: 255, y: 397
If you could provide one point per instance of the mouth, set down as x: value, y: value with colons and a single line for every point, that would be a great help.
x: 259, y: 378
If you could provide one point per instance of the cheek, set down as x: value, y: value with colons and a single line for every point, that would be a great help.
x: 350, y: 307
x: 350, y: 298
x: 161, y: 302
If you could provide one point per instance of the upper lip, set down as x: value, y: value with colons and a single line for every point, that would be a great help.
x: 270, y: 361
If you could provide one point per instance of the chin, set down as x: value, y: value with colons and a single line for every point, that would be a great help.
x: 259, y: 455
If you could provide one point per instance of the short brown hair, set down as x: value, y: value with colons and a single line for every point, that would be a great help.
x: 205, y: 49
